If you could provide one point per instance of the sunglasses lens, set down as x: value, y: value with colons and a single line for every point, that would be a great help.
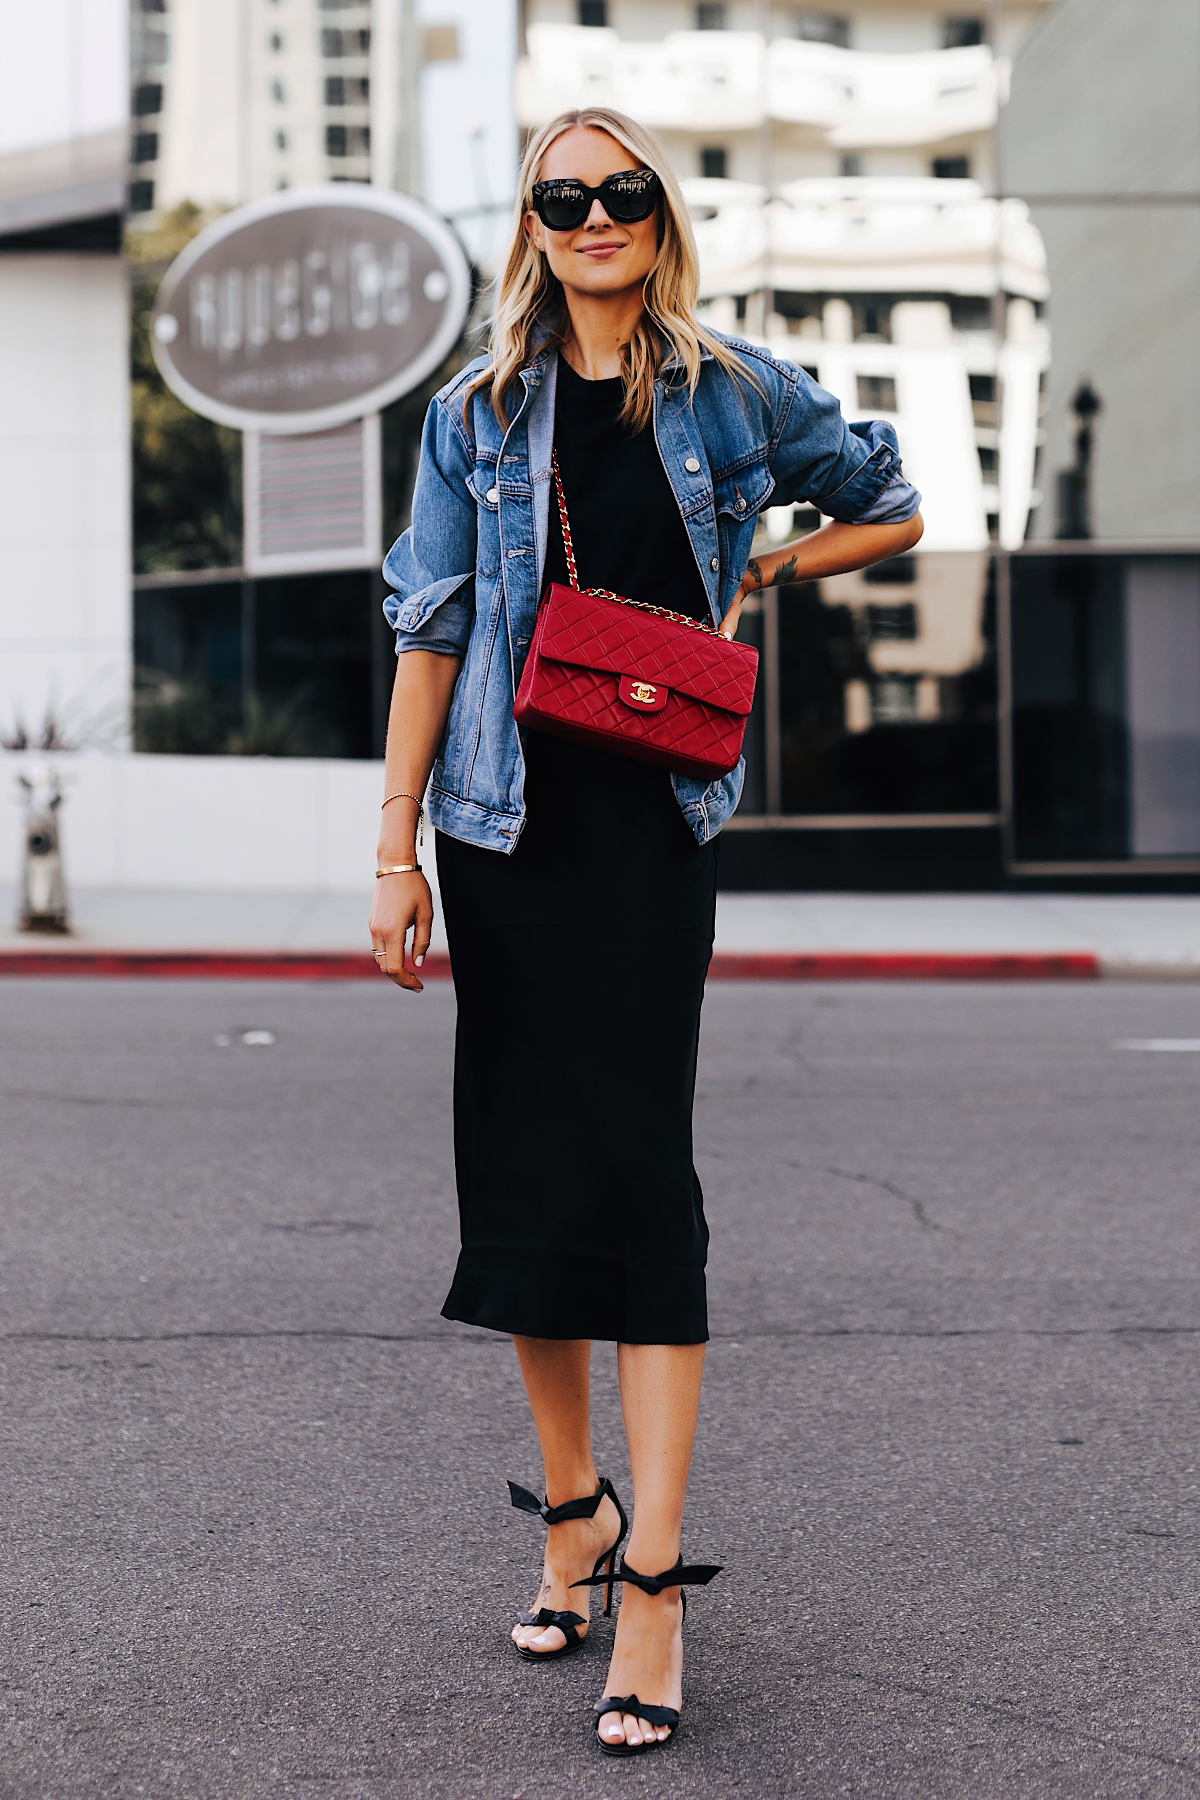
x: 629, y: 199
x: 563, y: 208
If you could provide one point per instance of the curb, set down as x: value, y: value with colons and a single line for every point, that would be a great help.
x: 818, y: 965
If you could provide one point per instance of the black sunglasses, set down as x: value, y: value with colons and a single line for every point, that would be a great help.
x: 627, y: 197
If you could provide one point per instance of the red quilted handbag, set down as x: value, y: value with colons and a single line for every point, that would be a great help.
x: 635, y: 679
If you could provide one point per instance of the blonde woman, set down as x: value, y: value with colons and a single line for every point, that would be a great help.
x: 579, y: 887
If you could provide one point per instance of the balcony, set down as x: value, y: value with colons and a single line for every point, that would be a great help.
x: 734, y: 81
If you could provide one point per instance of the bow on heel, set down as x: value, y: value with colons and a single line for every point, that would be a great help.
x: 584, y: 1508
x: 681, y: 1576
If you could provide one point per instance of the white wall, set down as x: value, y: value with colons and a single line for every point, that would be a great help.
x: 207, y: 824
x: 65, y: 625
x: 64, y: 70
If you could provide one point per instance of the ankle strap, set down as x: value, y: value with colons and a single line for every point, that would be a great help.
x: 693, y: 1575
x: 585, y: 1508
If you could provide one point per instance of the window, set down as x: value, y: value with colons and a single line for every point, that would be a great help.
x: 593, y: 12
x: 439, y: 44
x: 894, y: 700
x: 145, y: 147
x: 710, y: 17
x: 850, y: 164
x: 983, y: 399
x: 897, y: 571
x: 877, y: 391
x: 275, y: 42
x: 347, y: 140
x: 155, y: 47
x: 713, y: 162
x: 892, y: 623
x: 970, y: 312
x: 989, y: 460
x: 347, y: 90
x: 147, y: 99
x: 153, y: 6
x: 952, y: 168
x: 281, y: 140
x: 823, y: 28
x: 961, y: 33
x: 277, y: 91
x: 345, y: 43
x: 141, y: 196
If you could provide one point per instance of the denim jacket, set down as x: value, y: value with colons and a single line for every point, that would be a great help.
x: 468, y: 571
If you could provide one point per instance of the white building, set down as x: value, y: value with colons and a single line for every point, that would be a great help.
x: 234, y: 99
x: 65, y: 625
x: 838, y: 168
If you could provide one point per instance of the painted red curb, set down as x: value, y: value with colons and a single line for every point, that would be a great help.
x: 325, y: 965
x: 843, y: 965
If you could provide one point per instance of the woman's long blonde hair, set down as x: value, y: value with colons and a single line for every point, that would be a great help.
x: 529, y: 295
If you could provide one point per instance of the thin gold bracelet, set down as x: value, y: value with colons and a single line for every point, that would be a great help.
x: 401, y: 795
x: 400, y: 869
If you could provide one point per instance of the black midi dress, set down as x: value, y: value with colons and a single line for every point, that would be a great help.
x: 579, y: 965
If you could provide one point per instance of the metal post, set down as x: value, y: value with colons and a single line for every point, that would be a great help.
x: 772, y: 752
x: 1004, y: 708
x: 249, y: 649
x: 763, y: 24
x: 383, y: 664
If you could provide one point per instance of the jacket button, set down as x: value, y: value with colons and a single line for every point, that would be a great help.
x: 740, y: 504
x: 493, y: 496
x: 715, y: 564
x: 692, y: 466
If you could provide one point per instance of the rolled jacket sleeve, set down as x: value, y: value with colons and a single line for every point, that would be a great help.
x: 432, y: 564
x: 851, y: 472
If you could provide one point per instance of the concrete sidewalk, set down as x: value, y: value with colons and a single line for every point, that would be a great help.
x: 1150, y: 935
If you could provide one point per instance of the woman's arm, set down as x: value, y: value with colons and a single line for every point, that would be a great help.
x: 421, y: 696
x: 831, y: 551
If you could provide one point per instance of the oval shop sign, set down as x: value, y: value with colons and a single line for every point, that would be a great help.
x: 309, y: 309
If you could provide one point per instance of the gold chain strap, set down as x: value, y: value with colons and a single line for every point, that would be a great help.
x: 660, y: 612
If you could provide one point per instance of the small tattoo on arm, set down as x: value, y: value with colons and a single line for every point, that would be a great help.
x: 785, y: 572
x: 754, y: 570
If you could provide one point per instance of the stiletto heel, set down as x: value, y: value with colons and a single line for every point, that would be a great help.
x: 698, y: 1575
x: 612, y: 1563
x: 569, y: 1622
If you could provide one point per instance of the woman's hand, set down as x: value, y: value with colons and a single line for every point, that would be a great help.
x: 402, y: 903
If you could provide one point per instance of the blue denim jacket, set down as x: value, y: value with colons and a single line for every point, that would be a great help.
x: 468, y: 571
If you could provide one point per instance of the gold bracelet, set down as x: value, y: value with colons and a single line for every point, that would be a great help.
x: 400, y: 869
x: 401, y: 795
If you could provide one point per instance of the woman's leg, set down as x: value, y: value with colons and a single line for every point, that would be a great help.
x: 660, y: 1397
x: 556, y: 1371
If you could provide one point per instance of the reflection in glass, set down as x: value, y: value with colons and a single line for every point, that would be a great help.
x: 1106, y: 707
x: 887, y: 690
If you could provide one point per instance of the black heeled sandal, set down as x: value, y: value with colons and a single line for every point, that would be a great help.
x: 698, y: 1575
x: 569, y: 1622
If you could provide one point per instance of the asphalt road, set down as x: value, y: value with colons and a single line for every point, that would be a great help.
x: 254, y: 1538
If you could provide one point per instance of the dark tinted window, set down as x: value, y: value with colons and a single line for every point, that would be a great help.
x: 877, y: 390
x: 959, y: 33
x: 823, y: 28
x: 147, y: 98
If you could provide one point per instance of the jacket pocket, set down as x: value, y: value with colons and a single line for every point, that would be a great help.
x: 745, y: 492
x: 483, y: 489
